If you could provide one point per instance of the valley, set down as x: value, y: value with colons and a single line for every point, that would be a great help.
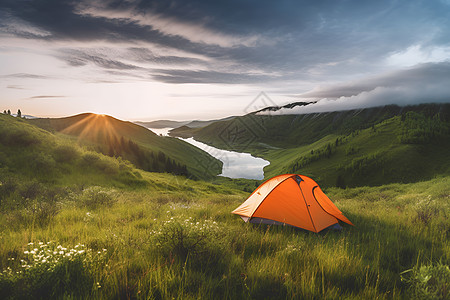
x: 104, y: 227
x: 185, y: 150
x: 351, y: 148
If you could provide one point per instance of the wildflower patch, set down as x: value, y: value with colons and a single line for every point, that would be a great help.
x: 49, y: 270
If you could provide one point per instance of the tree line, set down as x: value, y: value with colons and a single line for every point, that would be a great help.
x: 420, y: 129
x: 142, y: 158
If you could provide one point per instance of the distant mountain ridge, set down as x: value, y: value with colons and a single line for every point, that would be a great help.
x: 162, y: 124
x: 175, y: 124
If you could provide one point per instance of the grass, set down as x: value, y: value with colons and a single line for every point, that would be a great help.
x: 78, y: 224
x: 373, y: 146
x: 186, y: 245
x: 372, y: 156
x: 30, y: 154
x: 108, y: 135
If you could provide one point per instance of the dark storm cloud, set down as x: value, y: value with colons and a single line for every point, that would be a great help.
x: 61, y: 20
x: 196, y: 76
x: 144, y: 55
x: 80, y: 58
x: 309, y: 39
x: 306, y: 24
x: 427, y: 83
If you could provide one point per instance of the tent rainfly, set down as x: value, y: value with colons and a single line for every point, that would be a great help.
x: 291, y: 199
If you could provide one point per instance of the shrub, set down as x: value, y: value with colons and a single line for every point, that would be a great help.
x: 196, y: 244
x: 52, y: 271
x: 95, y: 196
x: 426, y: 209
x: 107, y: 166
x: 42, y: 211
x: 90, y: 158
x: 29, y: 202
x: 428, y: 282
x: 65, y: 153
x: 104, y: 165
x: 31, y: 190
x: 40, y: 163
x: 19, y: 138
x: 8, y: 187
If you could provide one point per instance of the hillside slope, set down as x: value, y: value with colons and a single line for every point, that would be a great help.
x: 141, y: 146
x: 79, y: 224
x: 35, y: 163
x: 382, y: 154
x: 350, y: 148
x: 31, y: 154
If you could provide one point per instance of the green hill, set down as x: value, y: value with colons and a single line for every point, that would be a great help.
x: 135, y: 143
x: 31, y: 154
x: 39, y: 168
x: 78, y: 224
x: 350, y: 148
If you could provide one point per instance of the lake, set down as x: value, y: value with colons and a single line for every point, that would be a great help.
x: 235, y: 164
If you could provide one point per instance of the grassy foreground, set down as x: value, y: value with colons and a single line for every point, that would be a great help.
x: 178, y: 240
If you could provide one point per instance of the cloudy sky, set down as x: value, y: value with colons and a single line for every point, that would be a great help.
x: 146, y: 60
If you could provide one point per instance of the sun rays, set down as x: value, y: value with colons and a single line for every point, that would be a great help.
x: 93, y: 128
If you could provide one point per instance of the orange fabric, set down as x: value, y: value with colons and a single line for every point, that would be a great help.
x: 328, y: 206
x: 247, y: 208
x: 283, y: 199
x: 321, y: 219
x: 284, y: 204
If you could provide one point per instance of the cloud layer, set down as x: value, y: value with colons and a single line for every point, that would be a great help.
x: 426, y: 83
x: 333, y: 50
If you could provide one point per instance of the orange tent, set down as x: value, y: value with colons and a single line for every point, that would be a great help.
x: 291, y: 199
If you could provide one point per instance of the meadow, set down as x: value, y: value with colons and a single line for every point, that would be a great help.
x: 180, y: 241
x: 77, y: 224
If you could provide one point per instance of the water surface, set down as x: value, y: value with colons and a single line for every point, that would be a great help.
x: 235, y: 164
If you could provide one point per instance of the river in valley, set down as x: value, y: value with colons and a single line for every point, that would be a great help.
x: 235, y: 164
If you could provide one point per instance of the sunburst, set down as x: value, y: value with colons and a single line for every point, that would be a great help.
x: 94, y: 128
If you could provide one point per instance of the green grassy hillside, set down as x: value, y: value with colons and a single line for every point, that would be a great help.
x: 28, y: 153
x: 172, y: 242
x: 135, y: 143
x: 286, y: 131
x: 77, y: 224
x: 378, y: 155
x: 352, y: 148
x: 39, y: 168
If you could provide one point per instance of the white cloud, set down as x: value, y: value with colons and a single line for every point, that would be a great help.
x: 380, y: 96
x: 427, y: 83
x: 416, y: 54
x: 192, y: 31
